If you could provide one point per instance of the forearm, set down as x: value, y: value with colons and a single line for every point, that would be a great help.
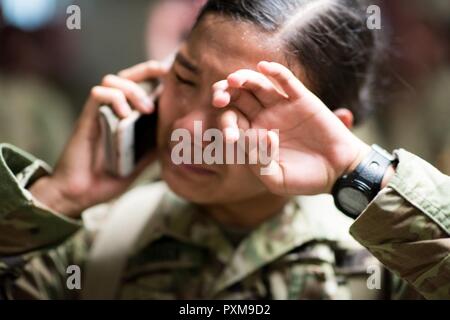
x: 24, y: 223
x: 387, y: 177
x: 51, y: 197
x: 407, y: 226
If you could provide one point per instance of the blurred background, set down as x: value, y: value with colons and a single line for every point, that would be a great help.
x: 47, y: 70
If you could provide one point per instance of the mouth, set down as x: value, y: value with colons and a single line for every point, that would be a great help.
x: 197, y: 169
x: 192, y: 169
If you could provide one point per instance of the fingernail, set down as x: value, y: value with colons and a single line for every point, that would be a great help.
x: 219, y: 100
x: 148, y: 103
x: 233, y: 79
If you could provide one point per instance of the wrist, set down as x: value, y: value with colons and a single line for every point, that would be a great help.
x: 366, y: 176
x: 47, y: 192
x: 390, y: 172
x: 362, y: 151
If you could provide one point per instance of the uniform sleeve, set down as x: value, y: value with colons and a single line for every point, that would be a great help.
x: 54, y: 273
x: 407, y: 226
x: 42, y: 253
x: 25, y: 225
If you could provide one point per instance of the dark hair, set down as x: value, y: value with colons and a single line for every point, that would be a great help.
x: 329, y: 38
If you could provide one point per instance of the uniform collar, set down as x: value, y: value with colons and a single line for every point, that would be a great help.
x: 297, y: 224
x: 185, y: 222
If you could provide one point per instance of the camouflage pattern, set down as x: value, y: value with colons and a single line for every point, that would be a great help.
x: 183, y: 254
x: 407, y: 226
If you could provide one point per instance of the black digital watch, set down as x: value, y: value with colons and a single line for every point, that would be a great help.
x: 353, y: 192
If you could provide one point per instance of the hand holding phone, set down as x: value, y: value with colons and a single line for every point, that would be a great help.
x: 126, y: 141
x: 79, y: 180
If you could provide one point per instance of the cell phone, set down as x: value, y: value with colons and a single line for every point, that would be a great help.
x: 126, y: 141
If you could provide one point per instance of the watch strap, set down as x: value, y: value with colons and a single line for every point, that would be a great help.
x: 372, y: 169
x: 366, y: 179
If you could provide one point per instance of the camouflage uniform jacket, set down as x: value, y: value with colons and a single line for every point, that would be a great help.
x: 305, y: 252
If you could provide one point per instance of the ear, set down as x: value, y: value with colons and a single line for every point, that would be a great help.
x: 346, y: 116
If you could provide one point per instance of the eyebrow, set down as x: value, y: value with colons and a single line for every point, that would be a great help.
x: 186, y: 63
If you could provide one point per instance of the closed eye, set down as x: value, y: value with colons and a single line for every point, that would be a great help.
x: 184, y: 81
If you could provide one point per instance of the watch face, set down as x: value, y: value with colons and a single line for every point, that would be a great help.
x: 352, y: 200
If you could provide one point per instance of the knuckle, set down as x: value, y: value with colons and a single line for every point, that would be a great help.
x: 134, y: 96
x: 118, y: 96
x: 108, y: 79
x: 251, y: 74
x: 134, y: 91
x: 152, y: 65
x: 231, y: 75
x: 95, y: 91
x: 241, y: 72
x: 219, y: 85
x: 124, y: 72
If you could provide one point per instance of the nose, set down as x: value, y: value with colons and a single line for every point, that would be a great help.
x: 197, y: 122
x: 187, y: 120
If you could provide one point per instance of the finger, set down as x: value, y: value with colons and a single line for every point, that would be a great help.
x: 268, y: 168
x: 230, y: 122
x: 248, y: 104
x: 269, y: 160
x: 288, y: 82
x: 87, y: 130
x: 258, y: 84
x: 133, y: 92
x: 241, y: 99
x: 113, y: 97
x: 223, y: 94
x: 99, y: 158
x: 144, y: 71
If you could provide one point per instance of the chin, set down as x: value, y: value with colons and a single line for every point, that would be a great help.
x: 192, y: 192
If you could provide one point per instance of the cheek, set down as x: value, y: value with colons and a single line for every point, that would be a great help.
x: 163, y: 121
x: 168, y: 112
x: 167, y: 100
x: 175, y: 101
x: 166, y: 109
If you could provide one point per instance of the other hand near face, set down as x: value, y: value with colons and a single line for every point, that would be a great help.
x: 315, y: 145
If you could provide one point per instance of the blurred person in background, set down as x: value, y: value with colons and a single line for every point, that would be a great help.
x: 417, y: 102
x: 33, y: 56
x: 169, y: 24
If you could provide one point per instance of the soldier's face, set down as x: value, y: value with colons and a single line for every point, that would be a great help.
x: 216, y: 48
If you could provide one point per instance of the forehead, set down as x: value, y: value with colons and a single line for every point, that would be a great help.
x: 219, y: 45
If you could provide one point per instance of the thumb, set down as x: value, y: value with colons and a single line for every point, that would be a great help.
x: 264, y: 159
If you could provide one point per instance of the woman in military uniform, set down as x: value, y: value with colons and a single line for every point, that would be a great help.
x: 225, y: 231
